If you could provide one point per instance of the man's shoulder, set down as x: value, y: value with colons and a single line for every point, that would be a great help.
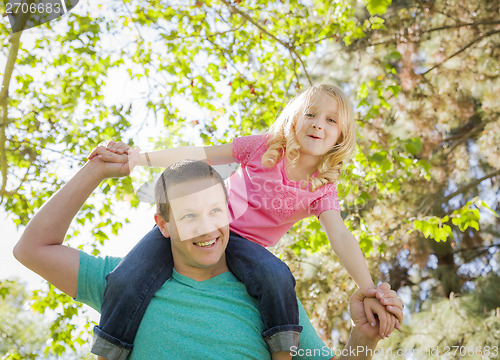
x: 98, y: 264
x: 92, y: 278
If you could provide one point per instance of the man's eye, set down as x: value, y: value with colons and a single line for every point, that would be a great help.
x: 216, y: 210
x: 188, y: 216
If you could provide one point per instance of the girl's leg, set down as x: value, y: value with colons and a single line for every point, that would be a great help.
x: 129, y: 289
x: 269, y: 280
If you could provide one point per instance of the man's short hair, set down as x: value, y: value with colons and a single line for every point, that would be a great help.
x: 180, y: 172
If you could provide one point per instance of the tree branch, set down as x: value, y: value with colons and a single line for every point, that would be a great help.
x: 290, y: 48
x: 445, y: 27
x: 479, y: 247
x: 462, y: 50
x: 471, y: 185
x: 455, y: 26
x: 473, y: 132
x: 4, y: 100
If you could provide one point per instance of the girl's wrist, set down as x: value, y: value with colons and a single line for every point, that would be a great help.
x: 144, y: 159
x: 367, y: 285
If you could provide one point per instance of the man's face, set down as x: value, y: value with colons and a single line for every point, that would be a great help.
x: 198, y: 224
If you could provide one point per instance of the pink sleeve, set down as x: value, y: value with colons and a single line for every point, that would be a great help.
x: 244, y: 147
x: 328, y: 201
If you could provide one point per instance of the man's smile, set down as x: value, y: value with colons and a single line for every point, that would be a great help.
x: 207, y: 243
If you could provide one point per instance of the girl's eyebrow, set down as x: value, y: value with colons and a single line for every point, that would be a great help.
x: 312, y: 108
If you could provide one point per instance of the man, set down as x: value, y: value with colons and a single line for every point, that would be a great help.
x: 202, y: 311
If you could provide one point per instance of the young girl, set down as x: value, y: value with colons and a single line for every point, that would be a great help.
x: 285, y: 175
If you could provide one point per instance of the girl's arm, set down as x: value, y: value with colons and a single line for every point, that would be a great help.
x: 213, y: 155
x: 346, y: 247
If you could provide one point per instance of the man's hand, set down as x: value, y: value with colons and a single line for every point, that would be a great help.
x: 386, y: 296
x: 112, y: 164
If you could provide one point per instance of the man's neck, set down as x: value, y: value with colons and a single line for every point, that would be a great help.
x: 201, y: 274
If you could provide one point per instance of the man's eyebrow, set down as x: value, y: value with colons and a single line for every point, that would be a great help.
x: 187, y: 210
x: 218, y: 203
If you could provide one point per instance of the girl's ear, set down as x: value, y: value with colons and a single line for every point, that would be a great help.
x: 162, y: 225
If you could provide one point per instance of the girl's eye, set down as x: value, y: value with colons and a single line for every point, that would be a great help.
x: 216, y: 210
x: 332, y: 120
x: 309, y: 115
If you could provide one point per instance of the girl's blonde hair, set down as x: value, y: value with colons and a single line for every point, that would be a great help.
x: 282, y: 139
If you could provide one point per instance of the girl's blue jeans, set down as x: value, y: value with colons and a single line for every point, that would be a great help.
x: 131, y: 285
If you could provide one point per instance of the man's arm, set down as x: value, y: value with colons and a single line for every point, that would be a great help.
x: 359, y: 347
x: 40, y: 247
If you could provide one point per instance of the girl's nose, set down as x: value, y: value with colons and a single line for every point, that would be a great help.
x: 317, y: 124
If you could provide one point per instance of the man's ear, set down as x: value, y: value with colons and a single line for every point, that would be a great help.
x: 162, y: 225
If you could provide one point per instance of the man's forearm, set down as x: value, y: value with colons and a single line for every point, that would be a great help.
x: 359, y: 347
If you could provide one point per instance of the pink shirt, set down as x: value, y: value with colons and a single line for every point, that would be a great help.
x: 263, y: 202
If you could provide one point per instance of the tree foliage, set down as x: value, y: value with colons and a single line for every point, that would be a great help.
x: 23, y: 334
x: 26, y: 334
x: 466, y: 327
x: 420, y: 193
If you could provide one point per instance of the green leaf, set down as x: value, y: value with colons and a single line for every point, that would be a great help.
x: 466, y: 217
x: 434, y: 228
x: 377, y: 7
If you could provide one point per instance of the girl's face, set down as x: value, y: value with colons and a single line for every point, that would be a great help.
x: 317, y: 129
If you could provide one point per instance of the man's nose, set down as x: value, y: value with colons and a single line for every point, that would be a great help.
x: 206, y: 225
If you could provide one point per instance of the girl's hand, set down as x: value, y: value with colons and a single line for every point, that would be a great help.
x: 386, y: 321
x: 393, y: 304
x: 118, y: 147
